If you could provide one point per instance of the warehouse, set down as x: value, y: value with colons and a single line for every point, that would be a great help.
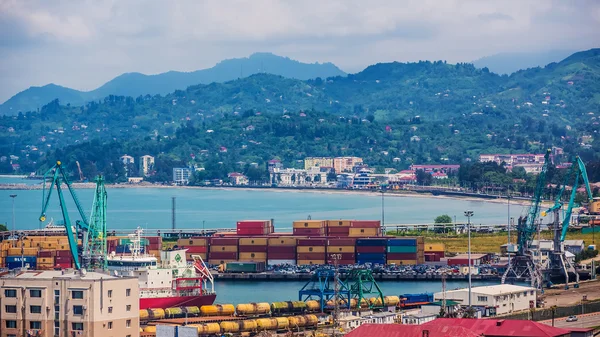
x: 493, y: 300
x: 463, y: 259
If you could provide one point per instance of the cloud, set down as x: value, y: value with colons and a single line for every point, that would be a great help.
x: 58, y: 41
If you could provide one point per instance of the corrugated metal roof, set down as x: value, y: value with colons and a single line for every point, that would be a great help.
x: 397, y: 330
x: 493, y: 290
x: 501, y: 327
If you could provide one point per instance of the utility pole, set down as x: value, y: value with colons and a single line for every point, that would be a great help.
x: 382, y: 208
x: 173, y: 213
x: 469, y: 214
x: 336, y: 306
x: 14, y: 226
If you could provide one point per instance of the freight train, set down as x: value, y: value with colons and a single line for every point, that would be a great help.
x: 251, y: 325
x: 286, y: 308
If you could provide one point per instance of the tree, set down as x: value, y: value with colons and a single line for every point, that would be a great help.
x: 445, y: 218
x: 3, y: 228
x: 331, y: 176
x: 317, y: 178
x: 423, y: 178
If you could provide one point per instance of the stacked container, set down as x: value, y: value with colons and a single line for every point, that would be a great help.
x: 311, y: 251
x: 371, y: 251
x: 342, y: 250
x: 405, y: 251
x: 365, y: 228
x: 310, y: 227
x: 434, y: 252
x: 253, y: 249
x: 281, y: 250
x: 63, y: 259
x: 45, y: 260
x: 223, y: 250
x: 154, y: 246
x: 254, y: 227
x: 194, y: 246
x: 338, y: 227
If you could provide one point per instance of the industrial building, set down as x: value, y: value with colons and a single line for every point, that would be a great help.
x: 493, y: 300
x: 463, y: 259
x: 68, y: 303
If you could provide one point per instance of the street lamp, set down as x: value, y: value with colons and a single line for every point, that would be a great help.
x: 13, y: 196
x: 382, y: 206
x: 469, y: 214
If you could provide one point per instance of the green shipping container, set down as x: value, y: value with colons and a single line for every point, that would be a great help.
x: 124, y: 242
x: 402, y: 249
x: 245, y: 267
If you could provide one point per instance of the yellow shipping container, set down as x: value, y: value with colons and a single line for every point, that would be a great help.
x: 45, y: 260
x: 49, y: 245
x: 189, y: 257
x: 253, y: 257
x: 309, y: 224
x: 338, y: 223
x: 307, y: 262
x: 362, y: 232
x: 340, y: 249
x: 310, y: 249
x: 26, y: 251
x: 435, y: 247
x: 223, y: 248
x: 253, y: 241
x: 283, y: 241
x: 193, y: 242
x: 216, y: 262
x: 4, y: 253
x: 402, y: 262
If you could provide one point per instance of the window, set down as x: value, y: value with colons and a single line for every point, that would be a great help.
x: 77, y: 326
x: 110, y: 310
x: 11, y: 324
x: 77, y: 294
x: 128, y: 323
x: 127, y: 292
x: 109, y: 325
x: 10, y: 293
x: 78, y: 310
x: 10, y: 309
x: 37, y: 325
x: 35, y: 309
x: 110, y: 294
x: 128, y: 307
x: 482, y: 298
x: 11, y: 335
x: 35, y: 293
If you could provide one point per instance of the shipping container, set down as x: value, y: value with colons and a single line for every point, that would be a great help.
x: 220, y: 261
x: 253, y: 223
x: 245, y: 267
x: 253, y: 241
x: 309, y: 262
x: 198, y: 241
x: 45, y: 260
x: 401, y: 256
x: 223, y: 241
x: 364, y: 232
x: 435, y: 247
x: 338, y: 231
x: 282, y: 241
x: 380, y: 262
x: 252, y: 249
x: 252, y: 257
x: 340, y: 256
x: 16, y: 262
x: 341, y: 242
x: 281, y: 249
x: 340, y: 249
x: 281, y: 256
x: 253, y: 231
x: 189, y: 256
x: 196, y: 249
x: 371, y: 242
x: 312, y: 242
x: 278, y: 262
x: 432, y: 258
x: 310, y: 249
x: 223, y: 255
x: 338, y: 223
x: 402, y: 249
x: 310, y: 256
x: 402, y: 242
x: 402, y: 262
x: 22, y: 251
x: 215, y: 248
x: 370, y: 256
x: 365, y: 224
x: 309, y: 231
x: 309, y: 224
x: 46, y: 253
x: 370, y: 249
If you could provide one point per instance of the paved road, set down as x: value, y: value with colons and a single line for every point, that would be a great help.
x: 583, y: 321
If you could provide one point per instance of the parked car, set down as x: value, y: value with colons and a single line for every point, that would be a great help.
x: 572, y: 319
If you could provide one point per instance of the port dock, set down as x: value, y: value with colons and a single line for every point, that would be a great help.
x: 378, y: 277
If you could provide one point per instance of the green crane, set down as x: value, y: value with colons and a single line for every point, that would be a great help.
x: 94, y: 233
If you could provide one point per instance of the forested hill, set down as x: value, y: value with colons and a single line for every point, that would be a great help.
x: 425, y: 112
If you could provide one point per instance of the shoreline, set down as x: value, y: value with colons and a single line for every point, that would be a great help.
x: 399, y: 193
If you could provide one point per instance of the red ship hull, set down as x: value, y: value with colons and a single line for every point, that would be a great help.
x: 171, y: 302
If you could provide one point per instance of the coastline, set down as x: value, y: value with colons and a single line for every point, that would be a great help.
x: 400, y: 193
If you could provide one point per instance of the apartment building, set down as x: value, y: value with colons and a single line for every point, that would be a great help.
x: 146, y: 164
x: 345, y: 164
x: 310, y: 162
x: 181, y: 175
x: 68, y: 304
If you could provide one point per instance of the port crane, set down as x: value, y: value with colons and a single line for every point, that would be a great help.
x: 93, y: 233
x: 81, y: 177
x: 558, y: 263
x: 523, y: 265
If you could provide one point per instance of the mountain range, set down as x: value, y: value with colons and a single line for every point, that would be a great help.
x: 136, y: 84
x: 508, y: 63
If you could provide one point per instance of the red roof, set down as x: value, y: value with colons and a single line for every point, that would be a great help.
x: 502, y: 327
x: 397, y: 330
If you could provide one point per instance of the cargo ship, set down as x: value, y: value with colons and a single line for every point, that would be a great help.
x: 172, y: 282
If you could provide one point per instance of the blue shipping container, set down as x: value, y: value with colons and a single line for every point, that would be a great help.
x: 371, y: 256
x: 371, y: 242
x: 26, y: 259
x: 402, y: 242
x: 415, y: 298
x: 382, y: 262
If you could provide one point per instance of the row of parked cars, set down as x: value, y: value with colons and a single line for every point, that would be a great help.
x: 389, y: 269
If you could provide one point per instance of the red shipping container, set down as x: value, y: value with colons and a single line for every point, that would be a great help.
x: 252, y: 249
x: 46, y: 253
x: 365, y: 224
x: 311, y: 256
x: 281, y: 249
x: 153, y: 239
x: 401, y: 256
x: 63, y: 265
x: 196, y: 249
x: 458, y: 262
x: 223, y: 255
x: 346, y: 262
x: 338, y: 231
x: 63, y: 253
x: 370, y: 249
x: 341, y: 242
x: 254, y: 224
x: 252, y: 231
x: 63, y: 259
x: 312, y: 242
x: 309, y: 231
x: 281, y: 256
x: 224, y: 241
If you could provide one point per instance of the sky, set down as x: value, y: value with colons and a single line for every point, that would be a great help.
x: 82, y: 44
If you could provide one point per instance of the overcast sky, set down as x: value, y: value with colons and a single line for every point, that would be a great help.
x: 83, y: 44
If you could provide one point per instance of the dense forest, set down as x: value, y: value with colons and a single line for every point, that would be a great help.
x: 392, y: 115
